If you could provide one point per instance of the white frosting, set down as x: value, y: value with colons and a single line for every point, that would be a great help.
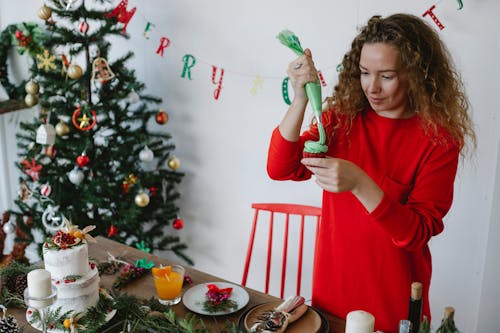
x: 64, y: 262
x: 79, y: 295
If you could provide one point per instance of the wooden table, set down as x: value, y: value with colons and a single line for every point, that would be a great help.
x: 144, y: 287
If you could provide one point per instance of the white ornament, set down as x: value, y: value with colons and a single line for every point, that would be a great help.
x: 75, y: 176
x: 70, y: 4
x: 146, y: 154
x: 46, y: 134
x: 52, y: 220
x: 9, y: 227
x: 45, y: 190
x: 133, y: 97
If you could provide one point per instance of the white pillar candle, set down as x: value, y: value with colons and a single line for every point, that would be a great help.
x: 39, y: 286
x: 359, y: 321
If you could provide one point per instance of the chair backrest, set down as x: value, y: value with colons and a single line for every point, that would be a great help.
x: 302, y: 211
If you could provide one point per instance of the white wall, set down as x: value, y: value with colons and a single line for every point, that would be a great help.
x: 223, y: 144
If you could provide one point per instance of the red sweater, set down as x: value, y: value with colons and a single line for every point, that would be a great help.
x: 367, y: 261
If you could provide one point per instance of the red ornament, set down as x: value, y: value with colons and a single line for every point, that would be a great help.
x: 82, y: 160
x: 50, y: 151
x: 153, y: 190
x: 32, y: 169
x: 178, y: 223
x: 162, y: 117
x: 112, y: 231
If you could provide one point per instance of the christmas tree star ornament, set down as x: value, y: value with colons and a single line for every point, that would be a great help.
x: 84, y: 119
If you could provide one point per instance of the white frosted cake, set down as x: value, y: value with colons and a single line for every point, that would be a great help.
x: 76, y: 279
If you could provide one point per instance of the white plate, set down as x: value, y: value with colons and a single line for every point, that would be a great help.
x: 195, y: 296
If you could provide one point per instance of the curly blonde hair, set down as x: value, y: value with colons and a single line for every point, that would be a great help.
x: 435, y: 89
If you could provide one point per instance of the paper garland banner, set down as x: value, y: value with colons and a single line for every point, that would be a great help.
x: 433, y: 17
x: 217, y: 83
x: 284, y: 91
x: 258, y: 83
x: 189, y: 62
x: 146, y: 30
x: 122, y: 14
x: 164, y: 43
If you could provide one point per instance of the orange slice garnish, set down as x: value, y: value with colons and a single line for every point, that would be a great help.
x: 161, y: 272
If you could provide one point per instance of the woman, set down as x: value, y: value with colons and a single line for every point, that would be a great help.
x: 396, y: 125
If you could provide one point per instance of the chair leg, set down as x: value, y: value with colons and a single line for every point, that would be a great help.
x: 269, y: 251
x: 250, y: 248
x: 285, y: 253
x: 301, y: 247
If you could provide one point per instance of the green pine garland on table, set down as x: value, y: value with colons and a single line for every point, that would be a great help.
x: 138, y: 315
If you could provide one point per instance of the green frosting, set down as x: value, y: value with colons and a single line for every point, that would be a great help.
x: 314, y: 147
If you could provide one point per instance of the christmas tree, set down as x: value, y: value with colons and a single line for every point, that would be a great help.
x: 97, y: 153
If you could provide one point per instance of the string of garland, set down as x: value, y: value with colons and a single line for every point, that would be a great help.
x: 133, y: 314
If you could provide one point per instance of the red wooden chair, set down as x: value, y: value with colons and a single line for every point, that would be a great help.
x: 302, y: 211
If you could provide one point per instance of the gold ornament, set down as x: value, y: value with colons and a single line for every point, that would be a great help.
x: 75, y: 72
x: 101, y: 70
x: 44, y: 13
x: 174, y: 163
x: 31, y: 100
x: 142, y: 199
x: 46, y: 61
x: 32, y: 87
x: 62, y: 128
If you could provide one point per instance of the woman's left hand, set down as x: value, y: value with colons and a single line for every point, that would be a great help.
x: 337, y: 175
x: 334, y: 174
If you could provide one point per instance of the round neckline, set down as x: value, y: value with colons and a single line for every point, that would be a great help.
x: 374, y: 115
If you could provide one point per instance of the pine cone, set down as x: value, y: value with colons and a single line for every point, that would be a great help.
x: 8, y: 325
x: 21, y: 283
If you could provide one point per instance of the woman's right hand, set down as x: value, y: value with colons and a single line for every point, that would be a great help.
x: 300, y: 72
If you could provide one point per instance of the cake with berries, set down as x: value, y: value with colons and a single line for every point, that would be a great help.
x: 65, y: 256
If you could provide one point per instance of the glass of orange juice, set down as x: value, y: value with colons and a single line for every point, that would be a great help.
x: 168, y: 283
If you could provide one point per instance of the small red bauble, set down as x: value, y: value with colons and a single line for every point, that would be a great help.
x: 162, y: 117
x: 178, y: 224
x: 112, y: 231
x: 82, y: 160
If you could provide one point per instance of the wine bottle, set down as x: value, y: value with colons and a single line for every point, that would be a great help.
x: 415, y: 308
x: 448, y: 322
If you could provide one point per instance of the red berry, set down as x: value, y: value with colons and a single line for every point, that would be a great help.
x: 19, y: 34
x: 178, y: 224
